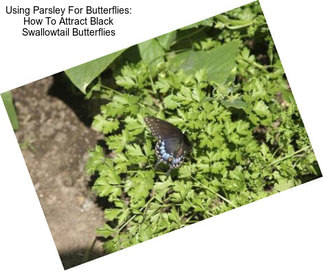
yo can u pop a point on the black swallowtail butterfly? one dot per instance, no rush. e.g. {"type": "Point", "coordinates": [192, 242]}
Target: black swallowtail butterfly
{"type": "Point", "coordinates": [172, 144]}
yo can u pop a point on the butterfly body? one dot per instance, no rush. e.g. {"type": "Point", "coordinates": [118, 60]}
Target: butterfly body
{"type": "Point", "coordinates": [172, 145]}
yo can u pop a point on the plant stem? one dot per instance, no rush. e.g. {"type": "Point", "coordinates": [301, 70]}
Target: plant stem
{"type": "Point", "coordinates": [111, 89]}
{"type": "Point", "coordinates": [127, 222]}
{"type": "Point", "coordinates": [287, 156]}
{"type": "Point", "coordinates": [131, 218]}
{"type": "Point", "coordinates": [152, 82]}
{"type": "Point", "coordinates": [215, 193]}
{"type": "Point", "coordinates": [87, 255]}
{"type": "Point", "coordinates": [226, 200]}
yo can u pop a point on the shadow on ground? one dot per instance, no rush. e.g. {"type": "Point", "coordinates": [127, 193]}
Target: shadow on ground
{"type": "Point", "coordinates": [71, 258]}
{"type": "Point", "coordinates": [63, 89]}
{"type": "Point", "coordinates": [55, 137]}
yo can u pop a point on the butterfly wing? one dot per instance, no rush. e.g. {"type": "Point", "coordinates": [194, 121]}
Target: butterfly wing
{"type": "Point", "coordinates": [175, 142]}
{"type": "Point", "coordinates": [173, 145]}
{"type": "Point", "coordinates": [162, 129]}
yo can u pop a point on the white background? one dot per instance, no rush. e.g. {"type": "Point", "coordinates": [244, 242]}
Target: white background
{"type": "Point", "coordinates": [282, 232]}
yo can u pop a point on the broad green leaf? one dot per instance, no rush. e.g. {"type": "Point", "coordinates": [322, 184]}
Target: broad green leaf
{"type": "Point", "coordinates": [166, 40]}
{"type": "Point", "coordinates": [82, 75]}
{"type": "Point", "coordinates": [151, 52]}
{"type": "Point", "coordinates": [11, 110]}
{"type": "Point", "coordinates": [217, 62]}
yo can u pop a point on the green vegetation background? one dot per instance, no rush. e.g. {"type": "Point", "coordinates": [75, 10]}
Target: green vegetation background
{"type": "Point", "coordinates": [222, 83]}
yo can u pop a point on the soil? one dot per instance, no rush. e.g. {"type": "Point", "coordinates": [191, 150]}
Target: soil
{"type": "Point", "coordinates": [55, 136]}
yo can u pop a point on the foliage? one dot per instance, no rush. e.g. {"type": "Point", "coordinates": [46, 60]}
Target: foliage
{"type": "Point", "coordinates": [11, 110]}
{"type": "Point", "coordinates": [221, 82]}
{"type": "Point", "coordinates": [83, 75]}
